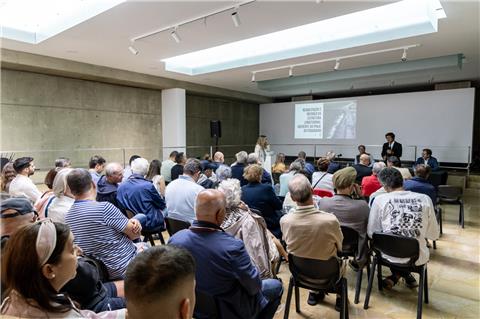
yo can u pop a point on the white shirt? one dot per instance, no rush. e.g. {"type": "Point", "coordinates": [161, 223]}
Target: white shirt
{"type": "Point", "coordinates": [180, 197]}
{"type": "Point", "coordinates": [23, 186]}
{"type": "Point", "coordinates": [326, 181]}
{"type": "Point", "coordinates": [59, 207]}
{"type": "Point", "coordinates": [408, 214]}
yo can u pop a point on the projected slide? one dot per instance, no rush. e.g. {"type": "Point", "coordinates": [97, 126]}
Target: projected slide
{"type": "Point", "coordinates": [327, 120]}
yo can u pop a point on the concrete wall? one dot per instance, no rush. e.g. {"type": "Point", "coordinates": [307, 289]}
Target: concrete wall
{"type": "Point", "coordinates": [239, 121]}
{"type": "Point", "coordinates": [48, 116]}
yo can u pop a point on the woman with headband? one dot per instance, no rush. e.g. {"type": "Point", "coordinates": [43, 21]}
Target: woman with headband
{"type": "Point", "coordinates": [33, 278]}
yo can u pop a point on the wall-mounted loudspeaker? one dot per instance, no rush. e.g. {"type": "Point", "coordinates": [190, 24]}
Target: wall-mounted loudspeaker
{"type": "Point", "coordinates": [215, 128]}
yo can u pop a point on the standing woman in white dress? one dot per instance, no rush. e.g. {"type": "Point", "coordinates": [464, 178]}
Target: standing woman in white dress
{"type": "Point", "coordinates": [262, 148]}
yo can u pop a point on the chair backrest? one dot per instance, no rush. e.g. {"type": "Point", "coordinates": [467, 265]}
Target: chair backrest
{"type": "Point", "coordinates": [313, 273]}
{"type": "Point", "coordinates": [322, 192]}
{"type": "Point", "coordinates": [350, 241]}
{"type": "Point", "coordinates": [396, 246]}
{"type": "Point", "coordinates": [205, 306]}
{"type": "Point", "coordinates": [450, 192]}
{"type": "Point", "coordinates": [175, 225]}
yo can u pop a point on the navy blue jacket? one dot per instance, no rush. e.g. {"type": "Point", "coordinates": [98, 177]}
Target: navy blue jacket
{"type": "Point", "coordinates": [237, 172]}
{"type": "Point", "coordinates": [421, 185]}
{"type": "Point", "coordinates": [263, 198]}
{"type": "Point", "coordinates": [107, 192]}
{"type": "Point", "coordinates": [266, 177]}
{"type": "Point", "coordinates": [140, 196]}
{"type": "Point", "coordinates": [432, 162]}
{"type": "Point", "coordinates": [223, 270]}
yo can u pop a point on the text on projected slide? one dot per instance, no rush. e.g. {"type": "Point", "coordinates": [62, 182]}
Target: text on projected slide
{"type": "Point", "coordinates": [327, 120]}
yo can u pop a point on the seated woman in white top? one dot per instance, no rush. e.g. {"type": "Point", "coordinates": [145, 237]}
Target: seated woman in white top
{"type": "Point", "coordinates": [322, 179]}
{"type": "Point", "coordinates": [63, 200]}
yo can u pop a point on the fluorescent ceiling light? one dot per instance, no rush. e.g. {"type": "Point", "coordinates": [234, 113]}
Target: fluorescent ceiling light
{"type": "Point", "coordinates": [397, 20]}
{"type": "Point", "coordinates": [34, 21]}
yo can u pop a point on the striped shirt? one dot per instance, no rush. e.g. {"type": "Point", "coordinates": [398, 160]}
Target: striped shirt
{"type": "Point", "coordinates": [98, 230]}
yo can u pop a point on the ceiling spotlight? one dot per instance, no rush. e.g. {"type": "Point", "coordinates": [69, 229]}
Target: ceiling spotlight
{"type": "Point", "coordinates": [253, 76]}
{"type": "Point", "coordinates": [236, 19]}
{"type": "Point", "coordinates": [290, 72]}
{"type": "Point", "coordinates": [337, 65]}
{"type": "Point", "coordinates": [175, 35]}
{"type": "Point", "coordinates": [404, 55]}
{"type": "Point", "coordinates": [133, 50]}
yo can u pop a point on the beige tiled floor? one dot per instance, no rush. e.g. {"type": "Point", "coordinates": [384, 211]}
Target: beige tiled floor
{"type": "Point", "coordinates": [453, 279]}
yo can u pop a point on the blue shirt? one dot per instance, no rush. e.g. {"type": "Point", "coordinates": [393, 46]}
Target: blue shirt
{"type": "Point", "coordinates": [180, 196]}
{"type": "Point", "coordinates": [98, 229]}
{"type": "Point", "coordinates": [140, 196]}
{"type": "Point", "coordinates": [422, 186]}
{"type": "Point", "coordinates": [223, 270]}
{"type": "Point", "coordinates": [309, 168]}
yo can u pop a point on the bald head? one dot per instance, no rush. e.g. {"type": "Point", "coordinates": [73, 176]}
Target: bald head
{"type": "Point", "coordinates": [218, 157]}
{"type": "Point", "coordinates": [365, 159]}
{"type": "Point", "coordinates": [210, 206]}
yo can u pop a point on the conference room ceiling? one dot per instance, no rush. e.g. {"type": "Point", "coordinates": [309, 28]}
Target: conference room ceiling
{"type": "Point", "coordinates": [104, 40]}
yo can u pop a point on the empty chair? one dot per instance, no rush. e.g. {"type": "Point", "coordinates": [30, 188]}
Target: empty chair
{"type": "Point", "coordinates": [452, 195]}
{"type": "Point", "coordinates": [316, 275]}
{"type": "Point", "coordinates": [175, 225]}
{"type": "Point", "coordinates": [399, 247]}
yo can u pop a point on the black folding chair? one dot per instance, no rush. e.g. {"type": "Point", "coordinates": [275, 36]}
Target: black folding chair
{"type": "Point", "coordinates": [452, 195]}
{"type": "Point", "coordinates": [399, 247]}
{"type": "Point", "coordinates": [316, 275]}
{"type": "Point", "coordinates": [205, 306]}
{"type": "Point", "coordinates": [350, 249]}
{"type": "Point", "coordinates": [175, 225]}
{"type": "Point", "coordinates": [148, 234]}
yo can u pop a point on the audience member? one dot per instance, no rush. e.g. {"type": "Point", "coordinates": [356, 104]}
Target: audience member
{"type": "Point", "coordinates": [218, 160]}
{"type": "Point", "coordinates": [222, 173]}
{"type": "Point", "coordinates": [205, 160]}
{"type": "Point", "coordinates": [262, 198]}
{"type": "Point", "coordinates": [100, 229]}
{"type": "Point", "coordinates": [22, 185]}
{"type": "Point", "coordinates": [295, 168]}
{"type": "Point", "coordinates": [349, 212]}
{"type": "Point", "coordinates": [322, 179]}
{"type": "Point", "coordinates": [334, 165]}
{"type": "Point", "coordinates": [363, 168]}
{"type": "Point", "coordinates": [261, 148]}
{"type": "Point", "coordinates": [420, 183]}
{"type": "Point", "coordinates": [96, 166]}
{"type": "Point", "coordinates": [155, 177]}
{"type": "Point", "coordinates": [8, 174]}
{"type": "Point", "coordinates": [161, 282]}
{"type": "Point", "coordinates": [371, 184]}
{"type": "Point", "coordinates": [107, 186]}
{"type": "Point", "coordinates": [250, 228]}
{"type": "Point", "coordinates": [48, 195]}
{"type": "Point", "coordinates": [4, 161]}
{"type": "Point", "coordinates": [224, 268]}
{"type": "Point", "coordinates": [279, 166]}
{"type": "Point", "coordinates": [403, 213]}
{"type": "Point", "coordinates": [63, 200]}
{"type": "Point", "coordinates": [361, 151]}
{"type": "Point", "coordinates": [167, 165]}
{"type": "Point", "coordinates": [391, 147]}
{"type": "Point", "coordinates": [16, 212]}
{"type": "Point", "coordinates": [427, 159]}
{"type": "Point", "coordinates": [127, 171]}
{"type": "Point", "coordinates": [239, 166]}
{"type": "Point", "coordinates": [308, 167]}
{"type": "Point", "coordinates": [207, 178]}
{"type": "Point", "coordinates": [33, 292]}
{"type": "Point", "coordinates": [307, 227]}
{"type": "Point", "coordinates": [393, 161]}
{"type": "Point", "coordinates": [180, 194]}
{"type": "Point", "coordinates": [139, 196]}
{"type": "Point", "coordinates": [177, 169]}
{"type": "Point", "coordinates": [266, 176]}
{"type": "Point", "coordinates": [63, 162]}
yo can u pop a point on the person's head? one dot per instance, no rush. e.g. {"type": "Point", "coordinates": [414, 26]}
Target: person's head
{"type": "Point", "coordinates": [223, 172]}
{"type": "Point", "coordinates": [161, 280]}
{"type": "Point", "coordinates": [422, 171]}
{"type": "Point", "coordinates": [344, 179]}
{"type": "Point", "coordinates": [3, 162]}
{"type": "Point", "coordinates": [180, 158]}
{"type": "Point", "coordinates": [361, 149]}
{"type": "Point", "coordinates": [330, 155]}
{"type": "Point", "coordinates": [393, 161]}
{"type": "Point", "coordinates": [80, 182]}
{"type": "Point", "coordinates": [97, 163]}
{"type": "Point", "coordinates": [218, 157]}
{"type": "Point", "coordinates": [322, 164]}
{"type": "Point", "coordinates": [132, 158]}
{"type": "Point", "coordinates": [62, 162]}
{"type": "Point", "coordinates": [233, 192]}
{"type": "Point", "coordinates": [8, 173]}
{"type": "Point", "coordinates": [210, 206]}
{"type": "Point", "coordinates": [241, 157]}
{"type": "Point", "coordinates": [377, 167]}
{"type": "Point", "coordinates": [139, 166]}
{"type": "Point", "coordinates": [296, 166]}
{"type": "Point", "coordinates": [262, 141]}
{"type": "Point", "coordinates": [114, 173]}
{"type": "Point", "coordinates": [426, 153]}
{"type": "Point", "coordinates": [16, 212]}
{"type": "Point", "coordinates": [60, 187]}
{"type": "Point", "coordinates": [365, 159]}
{"type": "Point", "coordinates": [390, 137]}
{"type": "Point", "coordinates": [300, 189]}
{"type": "Point", "coordinates": [253, 173]}
{"type": "Point", "coordinates": [280, 158]}
{"type": "Point", "coordinates": [48, 260]}
{"type": "Point", "coordinates": [50, 177]}
{"type": "Point", "coordinates": [192, 168]}
{"type": "Point", "coordinates": [172, 155]}
{"type": "Point", "coordinates": [252, 159]}
{"type": "Point", "coordinates": [154, 168]}
{"type": "Point", "coordinates": [302, 155]}
{"type": "Point", "coordinates": [391, 179]}
{"type": "Point", "coordinates": [24, 166]}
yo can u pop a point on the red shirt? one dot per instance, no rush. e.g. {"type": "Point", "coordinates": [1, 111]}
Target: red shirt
{"type": "Point", "coordinates": [370, 184]}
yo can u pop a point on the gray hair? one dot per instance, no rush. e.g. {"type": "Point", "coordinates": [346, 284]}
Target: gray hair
{"type": "Point", "coordinates": [60, 182]}
{"type": "Point", "coordinates": [62, 162]}
{"type": "Point", "coordinates": [140, 166]}
{"type": "Point", "coordinates": [192, 166]}
{"type": "Point", "coordinates": [223, 172]}
{"type": "Point", "coordinates": [241, 157]}
{"type": "Point", "coordinates": [297, 165]}
{"type": "Point", "coordinates": [300, 188]}
{"type": "Point", "coordinates": [233, 193]}
{"type": "Point", "coordinates": [112, 168]}
{"type": "Point", "coordinates": [252, 159]}
{"type": "Point", "coordinates": [377, 167]}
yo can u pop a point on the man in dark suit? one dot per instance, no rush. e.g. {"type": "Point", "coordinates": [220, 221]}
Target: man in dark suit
{"type": "Point", "coordinates": [427, 159]}
{"type": "Point", "coordinates": [391, 147]}
{"type": "Point", "coordinates": [363, 169]}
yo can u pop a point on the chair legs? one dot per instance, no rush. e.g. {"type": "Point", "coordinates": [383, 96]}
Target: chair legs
{"type": "Point", "coordinates": [149, 237]}
{"type": "Point", "coordinates": [439, 219]}
{"type": "Point", "coordinates": [370, 283]}
{"type": "Point", "coordinates": [358, 285]}
{"type": "Point", "coordinates": [160, 236]}
{"type": "Point", "coordinates": [461, 217]}
{"type": "Point", "coordinates": [379, 276]}
{"type": "Point", "coordinates": [421, 286]}
{"type": "Point", "coordinates": [426, 286]}
{"type": "Point", "coordinates": [289, 298]}
{"type": "Point", "coordinates": [297, 299]}
{"type": "Point", "coordinates": [344, 308]}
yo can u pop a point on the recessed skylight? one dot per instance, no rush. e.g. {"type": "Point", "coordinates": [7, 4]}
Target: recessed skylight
{"type": "Point", "coordinates": [398, 20]}
{"type": "Point", "coordinates": [34, 21]}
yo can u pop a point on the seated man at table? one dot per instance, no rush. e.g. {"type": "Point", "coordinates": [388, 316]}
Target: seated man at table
{"type": "Point", "coordinates": [224, 269]}
{"type": "Point", "coordinates": [427, 159]}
